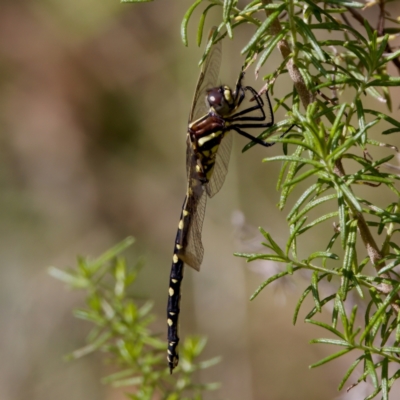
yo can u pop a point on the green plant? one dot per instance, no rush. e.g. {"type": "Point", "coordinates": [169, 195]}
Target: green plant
{"type": "Point", "coordinates": [121, 331]}
{"type": "Point", "coordinates": [335, 68]}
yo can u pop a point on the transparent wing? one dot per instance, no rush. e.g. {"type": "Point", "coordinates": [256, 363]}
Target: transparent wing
{"type": "Point", "coordinates": [189, 155]}
{"type": "Point", "coordinates": [221, 165]}
{"type": "Point", "coordinates": [196, 201]}
{"type": "Point", "coordinates": [208, 79]}
{"type": "Point", "coordinates": [193, 249]}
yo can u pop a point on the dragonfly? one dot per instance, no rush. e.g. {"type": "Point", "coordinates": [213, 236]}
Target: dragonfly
{"type": "Point", "coordinates": [209, 144]}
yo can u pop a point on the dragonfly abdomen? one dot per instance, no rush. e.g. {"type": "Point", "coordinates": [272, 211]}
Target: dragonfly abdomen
{"type": "Point", "coordinates": [175, 280]}
{"type": "Point", "coordinates": [173, 309]}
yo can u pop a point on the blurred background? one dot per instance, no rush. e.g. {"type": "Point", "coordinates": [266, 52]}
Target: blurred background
{"type": "Point", "coordinates": [94, 102]}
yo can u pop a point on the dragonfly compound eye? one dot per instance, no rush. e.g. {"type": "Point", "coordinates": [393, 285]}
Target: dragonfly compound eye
{"type": "Point", "coordinates": [215, 97]}
{"type": "Point", "coordinates": [218, 100]}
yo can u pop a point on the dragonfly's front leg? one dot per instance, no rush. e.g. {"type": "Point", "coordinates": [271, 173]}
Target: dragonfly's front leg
{"type": "Point", "coordinates": [239, 93]}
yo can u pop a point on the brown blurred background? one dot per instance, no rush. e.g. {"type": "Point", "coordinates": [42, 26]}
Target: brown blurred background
{"type": "Point", "coordinates": [94, 99]}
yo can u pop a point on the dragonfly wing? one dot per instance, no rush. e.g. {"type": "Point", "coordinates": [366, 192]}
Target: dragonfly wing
{"type": "Point", "coordinates": [193, 250]}
{"type": "Point", "coordinates": [208, 79]}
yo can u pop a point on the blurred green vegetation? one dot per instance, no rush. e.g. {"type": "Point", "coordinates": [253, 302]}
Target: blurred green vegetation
{"type": "Point", "coordinates": [121, 331]}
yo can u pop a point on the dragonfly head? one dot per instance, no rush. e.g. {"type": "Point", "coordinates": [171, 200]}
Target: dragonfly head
{"type": "Point", "coordinates": [221, 100]}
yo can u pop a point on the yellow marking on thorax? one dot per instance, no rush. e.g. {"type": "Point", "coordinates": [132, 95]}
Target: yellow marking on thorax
{"type": "Point", "coordinates": [228, 95]}
{"type": "Point", "coordinates": [209, 137]}
{"type": "Point", "coordinates": [206, 138]}
{"type": "Point", "coordinates": [185, 213]}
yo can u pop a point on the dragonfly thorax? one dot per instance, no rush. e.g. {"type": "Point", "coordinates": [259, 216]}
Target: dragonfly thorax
{"type": "Point", "coordinates": [221, 100]}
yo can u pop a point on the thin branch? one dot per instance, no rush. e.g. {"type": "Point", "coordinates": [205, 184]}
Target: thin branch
{"type": "Point", "coordinates": [284, 48]}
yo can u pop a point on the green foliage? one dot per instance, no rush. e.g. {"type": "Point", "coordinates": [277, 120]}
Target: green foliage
{"type": "Point", "coordinates": [121, 331]}
{"type": "Point", "coordinates": [338, 61]}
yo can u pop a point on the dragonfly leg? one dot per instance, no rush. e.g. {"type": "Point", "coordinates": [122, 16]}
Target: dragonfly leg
{"type": "Point", "coordinates": [237, 128]}
{"type": "Point", "coordinates": [251, 137]}
{"type": "Point", "coordinates": [239, 89]}
{"type": "Point", "coordinates": [259, 106]}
